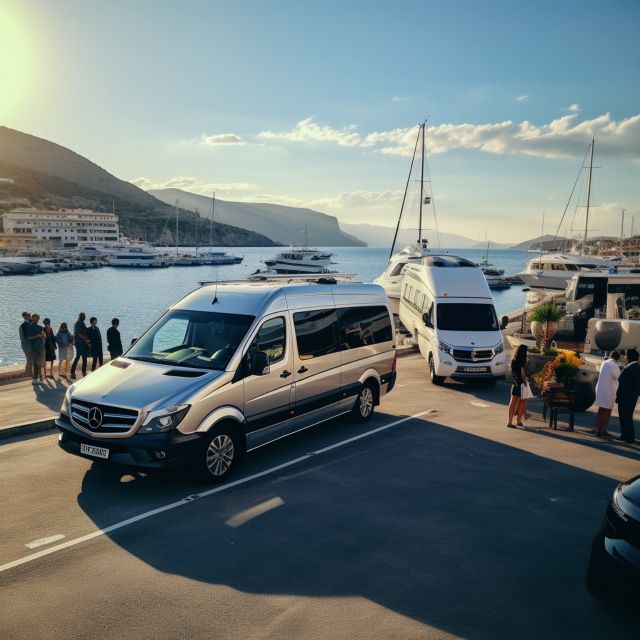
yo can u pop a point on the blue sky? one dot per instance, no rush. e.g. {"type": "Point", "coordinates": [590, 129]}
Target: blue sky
{"type": "Point", "coordinates": [312, 104]}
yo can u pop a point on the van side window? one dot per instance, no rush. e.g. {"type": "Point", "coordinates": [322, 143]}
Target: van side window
{"type": "Point", "coordinates": [316, 333]}
{"type": "Point", "coordinates": [362, 326]}
{"type": "Point", "coordinates": [270, 339]}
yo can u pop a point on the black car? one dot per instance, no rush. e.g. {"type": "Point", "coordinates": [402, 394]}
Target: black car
{"type": "Point", "coordinates": [615, 554]}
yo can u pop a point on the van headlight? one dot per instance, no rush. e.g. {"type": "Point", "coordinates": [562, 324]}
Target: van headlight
{"type": "Point", "coordinates": [443, 346]}
{"type": "Point", "coordinates": [64, 409]}
{"type": "Point", "coordinates": [161, 420]}
{"type": "Point", "coordinates": [499, 348]}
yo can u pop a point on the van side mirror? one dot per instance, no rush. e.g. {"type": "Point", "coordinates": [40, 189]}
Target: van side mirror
{"type": "Point", "coordinates": [133, 341]}
{"type": "Point", "coordinates": [258, 363]}
{"type": "Point", "coordinates": [426, 318]}
{"type": "Point", "coordinates": [504, 322]}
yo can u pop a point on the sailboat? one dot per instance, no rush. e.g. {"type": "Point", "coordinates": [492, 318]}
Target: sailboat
{"type": "Point", "coordinates": [493, 275]}
{"type": "Point", "coordinates": [391, 279]}
{"type": "Point", "coordinates": [218, 257]}
{"type": "Point", "coordinates": [552, 271]}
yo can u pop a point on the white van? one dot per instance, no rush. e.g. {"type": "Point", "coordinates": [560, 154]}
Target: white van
{"type": "Point", "coordinates": [446, 304]}
{"type": "Point", "coordinates": [231, 367]}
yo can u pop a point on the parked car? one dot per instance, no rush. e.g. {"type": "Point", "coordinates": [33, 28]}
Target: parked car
{"type": "Point", "coordinates": [230, 368]}
{"type": "Point", "coordinates": [615, 553]}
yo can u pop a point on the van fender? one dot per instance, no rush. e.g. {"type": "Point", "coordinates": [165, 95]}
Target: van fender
{"type": "Point", "coordinates": [367, 375]}
{"type": "Point", "coordinates": [221, 413]}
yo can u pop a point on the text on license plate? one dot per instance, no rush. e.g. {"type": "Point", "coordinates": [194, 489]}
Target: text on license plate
{"type": "Point", "coordinates": [475, 369]}
{"type": "Point", "coordinates": [96, 452]}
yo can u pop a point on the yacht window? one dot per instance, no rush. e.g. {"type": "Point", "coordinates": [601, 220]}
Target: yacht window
{"type": "Point", "coordinates": [398, 268]}
{"type": "Point", "coordinates": [559, 267]}
{"type": "Point", "coordinates": [454, 316]}
{"type": "Point", "coordinates": [271, 339]}
{"type": "Point", "coordinates": [535, 266]}
{"type": "Point", "coordinates": [572, 267]}
{"type": "Point", "coordinates": [316, 333]}
{"type": "Point", "coordinates": [199, 339]}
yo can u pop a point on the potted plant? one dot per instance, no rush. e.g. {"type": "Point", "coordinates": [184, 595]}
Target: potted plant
{"type": "Point", "coordinates": [544, 323]}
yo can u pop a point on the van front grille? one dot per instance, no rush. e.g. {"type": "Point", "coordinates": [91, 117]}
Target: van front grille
{"type": "Point", "coordinates": [472, 355]}
{"type": "Point", "coordinates": [102, 418]}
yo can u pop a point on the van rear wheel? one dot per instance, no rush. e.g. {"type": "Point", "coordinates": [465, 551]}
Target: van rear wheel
{"type": "Point", "coordinates": [220, 454]}
{"type": "Point", "coordinates": [365, 402]}
{"type": "Point", "coordinates": [432, 373]}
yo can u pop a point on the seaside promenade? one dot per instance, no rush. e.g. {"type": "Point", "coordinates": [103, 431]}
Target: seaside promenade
{"type": "Point", "coordinates": [432, 520]}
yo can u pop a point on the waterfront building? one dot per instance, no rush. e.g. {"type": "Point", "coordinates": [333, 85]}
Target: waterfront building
{"type": "Point", "coordinates": [67, 227]}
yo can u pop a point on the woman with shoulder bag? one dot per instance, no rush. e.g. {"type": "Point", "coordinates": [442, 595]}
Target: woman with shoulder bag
{"type": "Point", "coordinates": [520, 391]}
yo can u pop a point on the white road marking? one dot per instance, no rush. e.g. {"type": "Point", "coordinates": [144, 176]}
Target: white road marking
{"type": "Point", "coordinates": [245, 516]}
{"type": "Point", "coordinates": [191, 498]}
{"type": "Point", "coordinates": [480, 404]}
{"type": "Point", "coordinates": [42, 541]}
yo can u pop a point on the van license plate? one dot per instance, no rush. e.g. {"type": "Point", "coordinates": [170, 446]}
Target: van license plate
{"type": "Point", "coordinates": [96, 452]}
{"type": "Point", "coordinates": [475, 369]}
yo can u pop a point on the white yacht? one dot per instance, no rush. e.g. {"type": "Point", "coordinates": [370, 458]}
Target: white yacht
{"type": "Point", "coordinates": [390, 279]}
{"type": "Point", "coordinates": [552, 271]}
{"type": "Point", "coordinates": [300, 260]}
{"type": "Point", "coordinates": [494, 277]}
{"type": "Point", "coordinates": [139, 259]}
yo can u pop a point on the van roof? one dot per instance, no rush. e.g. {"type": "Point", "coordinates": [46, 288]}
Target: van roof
{"type": "Point", "coordinates": [449, 277]}
{"type": "Point", "coordinates": [259, 298]}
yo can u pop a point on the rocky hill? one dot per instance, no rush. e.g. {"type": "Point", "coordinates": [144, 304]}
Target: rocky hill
{"type": "Point", "coordinates": [47, 175]}
{"type": "Point", "coordinates": [281, 223]}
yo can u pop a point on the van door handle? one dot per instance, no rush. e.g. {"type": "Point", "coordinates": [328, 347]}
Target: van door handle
{"type": "Point", "coordinates": [285, 374]}
{"type": "Point", "coordinates": [303, 369]}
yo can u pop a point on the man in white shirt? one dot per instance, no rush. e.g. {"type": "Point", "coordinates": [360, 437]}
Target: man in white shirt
{"type": "Point", "coordinates": [606, 389]}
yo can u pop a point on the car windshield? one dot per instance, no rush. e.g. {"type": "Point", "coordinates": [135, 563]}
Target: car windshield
{"type": "Point", "coordinates": [454, 316]}
{"type": "Point", "coordinates": [199, 339]}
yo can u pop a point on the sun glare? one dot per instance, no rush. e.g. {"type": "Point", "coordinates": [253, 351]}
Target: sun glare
{"type": "Point", "coordinates": [15, 67]}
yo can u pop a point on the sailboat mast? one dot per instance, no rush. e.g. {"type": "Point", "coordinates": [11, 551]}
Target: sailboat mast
{"type": "Point", "coordinates": [177, 201]}
{"type": "Point", "coordinates": [586, 221]}
{"type": "Point", "coordinates": [421, 187]}
{"type": "Point", "coordinates": [213, 213]}
{"type": "Point", "coordinates": [404, 197]}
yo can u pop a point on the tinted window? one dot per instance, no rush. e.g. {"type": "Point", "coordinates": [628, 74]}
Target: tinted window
{"type": "Point", "coordinates": [453, 316]}
{"type": "Point", "coordinates": [398, 269]}
{"type": "Point", "coordinates": [271, 339]}
{"type": "Point", "coordinates": [361, 326]}
{"type": "Point", "coordinates": [316, 333]}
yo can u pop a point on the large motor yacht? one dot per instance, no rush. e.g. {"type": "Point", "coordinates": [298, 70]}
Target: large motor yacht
{"type": "Point", "coordinates": [300, 260]}
{"type": "Point", "coordinates": [553, 271]}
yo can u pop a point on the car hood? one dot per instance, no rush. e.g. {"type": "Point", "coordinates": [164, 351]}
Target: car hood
{"type": "Point", "coordinates": [474, 339]}
{"type": "Point", "coordinates": [631, 490]}
{"type": "Point", "coordinates": [141, 385]}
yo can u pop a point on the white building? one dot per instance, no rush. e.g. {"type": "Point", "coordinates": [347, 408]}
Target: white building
{"type": "Point", "coordinates": [69, 226]}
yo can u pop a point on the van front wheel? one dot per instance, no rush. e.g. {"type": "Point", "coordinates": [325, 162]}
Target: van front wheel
{"type": "Point", "coordinates": [432, 373]}
{"type": "Point", "coordinates": [220, 455]}
{"type": "Point", "coordinates": [365, 402]}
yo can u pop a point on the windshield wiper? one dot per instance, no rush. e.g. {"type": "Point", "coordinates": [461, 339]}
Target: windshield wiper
{"type": "Point", "coordinates": [173, 363]}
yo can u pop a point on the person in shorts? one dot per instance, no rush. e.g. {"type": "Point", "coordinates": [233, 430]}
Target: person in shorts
{"type": "Point", "coordinates": [36, 336]}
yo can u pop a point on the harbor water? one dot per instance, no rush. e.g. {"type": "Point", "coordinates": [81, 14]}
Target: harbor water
{"type": "Point", "coordinates": [138, 296]}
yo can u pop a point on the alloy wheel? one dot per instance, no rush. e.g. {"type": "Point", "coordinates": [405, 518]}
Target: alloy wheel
{"type": "Point", "coordinates": [220, 454]}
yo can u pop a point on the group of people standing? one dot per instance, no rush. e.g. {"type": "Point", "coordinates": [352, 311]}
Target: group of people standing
{"type": "Point", "coordinates": [42, 347]}
{"type": "Point", "coordinates": [616, 385]}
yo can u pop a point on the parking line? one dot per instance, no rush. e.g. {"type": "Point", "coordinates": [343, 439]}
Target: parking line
{"type": "Point", "coordinates": [203, 494]}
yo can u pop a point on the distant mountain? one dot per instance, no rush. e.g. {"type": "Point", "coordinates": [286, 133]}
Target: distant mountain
{"type": "Point", "coordinates": [381, 236]}
{"type": "Point", "coordinates": [492, 245]}
{"type": "Point", "coordinates": [281, 223]}
{"type": "Point", "coordinates": [47, 175]}
{"type": "Point", "coordinates": [546, 242]}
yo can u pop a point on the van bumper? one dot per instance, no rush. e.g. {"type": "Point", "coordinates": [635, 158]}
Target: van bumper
{"type": "Point", "coordinates": [388, 379]}
{"type": "Point", "coordinates": [142, 451]}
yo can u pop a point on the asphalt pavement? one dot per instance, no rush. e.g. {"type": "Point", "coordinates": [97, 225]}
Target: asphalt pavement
{"type": "Point", "coordinates": [432, 520]}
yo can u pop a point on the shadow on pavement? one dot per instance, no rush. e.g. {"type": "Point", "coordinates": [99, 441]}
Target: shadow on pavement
{"type": "Point", "coordinates": [50, 394]}
{"type": "Point", "coordinates": [461, 533]}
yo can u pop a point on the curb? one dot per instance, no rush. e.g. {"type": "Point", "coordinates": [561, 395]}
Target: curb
{"type": "Point", "coordinates": [26, 428]}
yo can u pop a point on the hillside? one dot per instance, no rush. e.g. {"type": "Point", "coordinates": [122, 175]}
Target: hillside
{"type": "Point", "coordinates": [380, 236]}
{"type": "Point", "coordinates": [280, 223]}
{"type": "Point", "coordinates": [47, 175]}
{"type": "Point", "coordinates": [547, 242]}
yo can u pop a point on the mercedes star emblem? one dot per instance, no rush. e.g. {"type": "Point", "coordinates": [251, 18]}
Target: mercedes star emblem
{"type": "Point", "coordinates": [95, 417]}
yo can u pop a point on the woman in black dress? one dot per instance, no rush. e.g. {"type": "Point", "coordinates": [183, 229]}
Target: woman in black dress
{"type": "Point", "coordinates": [50, 346]}
{"type": "Point", "coordinates": [517, 405]}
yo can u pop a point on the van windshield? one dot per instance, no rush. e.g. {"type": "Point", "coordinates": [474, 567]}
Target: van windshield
{"type": "Point", "coordinates": [198, 339]}
{"type": "Point", "coordinates": [454, 316]}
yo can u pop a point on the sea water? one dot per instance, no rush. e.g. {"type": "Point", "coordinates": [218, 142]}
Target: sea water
{"type": "Point", "coordinates": [139, 296]}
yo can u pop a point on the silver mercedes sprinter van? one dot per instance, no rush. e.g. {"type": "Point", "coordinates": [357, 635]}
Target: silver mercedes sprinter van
{"type": "Point", "coordinates": [231, 367]}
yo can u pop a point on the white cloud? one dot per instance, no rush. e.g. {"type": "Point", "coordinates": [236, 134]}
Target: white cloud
{"type": "Point", "coordinates": [522, 98]}
{"type": "Point", "coordinates": [574, 107]}
{"type": "Point", "coordinates": [308, 130]}
{"type": "Point", "coordinates": [219, 139]}
{"type": "Point", "coordinates": [194, 185]}
{"type": "Point", "coordinates": [359, 200]}
{"type": "Point", "coordinates": [398, 99]}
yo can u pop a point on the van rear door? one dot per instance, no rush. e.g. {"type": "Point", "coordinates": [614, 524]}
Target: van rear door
{"type": "Point", "coordinates": [316, 366]}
